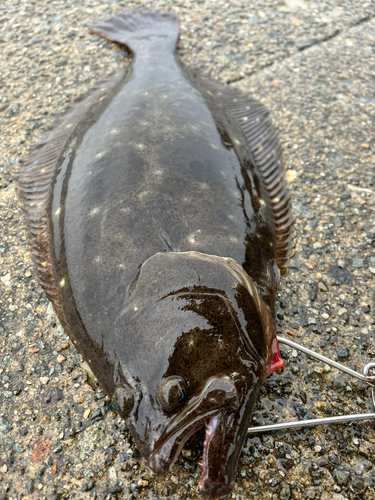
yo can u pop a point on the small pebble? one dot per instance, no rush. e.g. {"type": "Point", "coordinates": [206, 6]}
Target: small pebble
{"type": "Point", "coordinates": [357, 262]}
{"type": "Point", "coordinates": [341, 476]}
{"type": "Point", "coordinates": [358, 483]}
{"type": "Point", "coordinates": [86, 414]}
{"type": "Point", "coordinates": [6, 279]}
{"type": "Point", "coordinates": [5, 426]}
{"type": "Point", "coordinates": [342, 353]}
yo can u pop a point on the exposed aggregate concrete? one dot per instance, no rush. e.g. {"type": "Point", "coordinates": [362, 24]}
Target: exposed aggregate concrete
{"type": "Point", "coordinates": [313, 65]}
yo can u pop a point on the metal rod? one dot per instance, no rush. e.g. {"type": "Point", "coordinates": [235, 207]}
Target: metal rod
{"type": "Point", "coordinates": [365, 378]}
{"type": "Point", "coordinates": [370, 380]}
{"type": "Point", "coordinates": [311, 422]}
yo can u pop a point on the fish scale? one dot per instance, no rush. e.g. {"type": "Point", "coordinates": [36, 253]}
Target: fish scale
{"type": "Point", "coordinates": [160, 221]}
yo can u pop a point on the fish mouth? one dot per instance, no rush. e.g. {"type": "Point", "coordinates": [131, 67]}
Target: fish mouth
{"type": "Point", "coordinates": [165, 456]}
{"type": "Point", "coordinates": [221, 446]}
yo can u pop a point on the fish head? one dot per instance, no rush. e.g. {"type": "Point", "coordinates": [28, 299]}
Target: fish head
{"type": "Point", "coordinates": [202, 345]}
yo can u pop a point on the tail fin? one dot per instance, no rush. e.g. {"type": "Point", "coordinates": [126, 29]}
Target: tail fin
{"type": "Point", "coordinates": [137, 29]}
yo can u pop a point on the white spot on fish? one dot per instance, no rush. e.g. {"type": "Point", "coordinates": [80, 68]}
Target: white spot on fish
{"type": "Point", "coordinates": [191, 240]}
{"type": "Point", "coordinates": [191, 342]}
{"type": "Point", "coordinates": [158, 172]}
{"type": "Point", "coordinates": [261, 202]}
{"type": "Point", "coordinates": [140, 146]}
{"type": "Point", "coordinates": [69, 125]}
{"type": "Point", "coordinates": [136, 308]}
{"type": "Point", "coordinates": [114, 131]}
{"type": "Point", "coordinates": [165, 96]}
{"type": "Point", "coordinates": [194, 128]}
{"type": "Point", "coordinates": [62, 282]}
{"type": "Point", "coordinates": [230, 216]}
{"type": "Point", "coordinates": [257, 235]}
{"type": "Point", "coordinates": [247, 108]}
{"type": "Point", "coordinates": [234, 374]}
{"type": "Point", "coordinates": [237, 141]}
{"type": "Point", "coordinates": [203, 185]}
{"type": "Point", "coordinates": [271, 244]}
{"type": "Point", "coordinates": [276, 200]}
{"type": "Point", "coordinates": [94, 211]}
{"type": "Point", "coordinates": [233, 239]}
{"type": "Point", "coordinates": [99, 154]}
{"type": "Point", "coordinates": [97, 259]}
{"type": "Point", "coordinates": [146, 93]}
{"type": "Point", "coordinates": [244, 119]}
{"type": "Point", "coordinates": [125, 210]}
{"type": "Point", "coordinates": [121, 266]}
{"type": "Point", "coordinates": [58, 211]}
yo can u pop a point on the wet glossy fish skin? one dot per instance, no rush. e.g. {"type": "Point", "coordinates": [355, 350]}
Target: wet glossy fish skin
{"type": "Point", "coordinates": [155, 170]}
{"type": "Point", "coordinates": [202, 285]}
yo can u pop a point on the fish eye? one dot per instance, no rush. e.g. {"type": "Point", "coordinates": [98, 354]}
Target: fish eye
{"type": "Point", "coordinates": [124, 400]}
{"type": "Point", "coordinates": [172, 393]}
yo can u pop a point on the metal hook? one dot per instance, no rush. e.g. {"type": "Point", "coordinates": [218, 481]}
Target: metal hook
{"type": "Point", "coordinates": [365, 377]}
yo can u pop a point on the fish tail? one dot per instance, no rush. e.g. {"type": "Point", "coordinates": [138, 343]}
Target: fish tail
{"type": "Point", "coordinates": [140, 29]}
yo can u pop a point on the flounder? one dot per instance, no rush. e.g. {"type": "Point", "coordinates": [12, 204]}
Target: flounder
{"type": "Point", "coordinates": [160, 222]}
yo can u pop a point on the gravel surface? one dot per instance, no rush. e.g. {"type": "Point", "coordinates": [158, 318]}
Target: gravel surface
{"type": "Point", "coordinates": [313, 65]}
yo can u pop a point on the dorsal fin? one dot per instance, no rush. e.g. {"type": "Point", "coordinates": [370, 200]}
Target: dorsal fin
{"type": "Point", "coordinates": [261, 135]}
{"type": "Point", "coordinates": [35, 182]}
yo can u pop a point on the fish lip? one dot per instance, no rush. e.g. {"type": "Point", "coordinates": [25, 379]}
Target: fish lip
{"type": "Point", "coordinates": [159, 463]}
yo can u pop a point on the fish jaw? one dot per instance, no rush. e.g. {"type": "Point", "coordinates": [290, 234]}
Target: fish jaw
{"type": "Point", "coordinates": [219, 397]}
{"type": "Point", "coordinates": [226, 430]}
{"type": "Point", "coordinates": [225, 435]}
{"type": "Point", "coordinates": [217, 477]}
{"type": "Point", "coordinates": [162, 460]}
{"type": "Point", "coordinates": [221, 451]}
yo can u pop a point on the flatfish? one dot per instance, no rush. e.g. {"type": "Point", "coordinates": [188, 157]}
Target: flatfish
{"type": "Point", "coordinates": [160, 222]}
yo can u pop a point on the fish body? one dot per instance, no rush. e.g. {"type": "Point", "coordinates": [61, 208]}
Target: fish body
{"type": "Point", "coordinates": [160, 222]}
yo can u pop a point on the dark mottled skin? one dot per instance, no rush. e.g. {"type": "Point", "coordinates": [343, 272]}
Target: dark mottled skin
{"type": "Point", "coordinates": [154, 171]}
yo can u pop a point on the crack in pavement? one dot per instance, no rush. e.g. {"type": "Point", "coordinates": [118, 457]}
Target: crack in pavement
{"type": "Point", "coordinates": [307, 44]}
